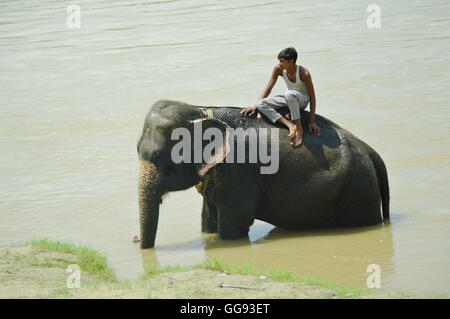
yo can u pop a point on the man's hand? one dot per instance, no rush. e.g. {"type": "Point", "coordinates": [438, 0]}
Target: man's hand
{"type": "Point", "coordinates": [313, 127]}
{"type": "Point", "coordinates": [249, 111]}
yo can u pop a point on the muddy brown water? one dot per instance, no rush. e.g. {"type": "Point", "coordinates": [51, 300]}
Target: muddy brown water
{"type": "Point", "coordinates": [73, 103]}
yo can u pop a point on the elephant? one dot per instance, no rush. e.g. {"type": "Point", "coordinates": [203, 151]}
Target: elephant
{"type": "Point", "coordinates": [331, 180]}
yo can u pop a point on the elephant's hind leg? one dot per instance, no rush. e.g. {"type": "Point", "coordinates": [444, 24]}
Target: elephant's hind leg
{"type": "Point", "coordinates": [360, 201]}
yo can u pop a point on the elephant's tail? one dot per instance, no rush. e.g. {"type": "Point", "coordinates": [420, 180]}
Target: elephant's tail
{"type": "Point", "coordinates": [383, 182]}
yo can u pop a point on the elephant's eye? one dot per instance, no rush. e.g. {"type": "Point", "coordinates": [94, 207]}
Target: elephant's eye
{"type": "Point", "coordinates": [160, 130]}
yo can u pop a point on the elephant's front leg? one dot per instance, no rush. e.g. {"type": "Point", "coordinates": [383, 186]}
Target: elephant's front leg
{"type": "Point", "coordinates": [209, 217]}
{"type": "Point", "coordinates": [234, 222]}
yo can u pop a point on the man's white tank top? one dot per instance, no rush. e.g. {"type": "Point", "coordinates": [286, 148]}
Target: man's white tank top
{"type": "Point", "coordinates": [299, 85]}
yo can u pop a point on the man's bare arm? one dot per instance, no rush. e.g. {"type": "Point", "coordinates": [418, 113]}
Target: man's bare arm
{"type": "Point", "coordinates": [266, 92]}
{"type": "Point", "coordinates": [273, 79]}
{"type": "Point", "coordinates": [312, 100]}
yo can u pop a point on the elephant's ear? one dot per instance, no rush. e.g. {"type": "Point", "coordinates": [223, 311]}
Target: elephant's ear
{"type": "Point", "coordinates": [221, 151]}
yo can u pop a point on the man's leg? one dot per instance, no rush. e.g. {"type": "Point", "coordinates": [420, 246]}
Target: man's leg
{"type": "Point", "coordinates": [296, 101]}
{"type": "Point", "coordinates": [268, 107]}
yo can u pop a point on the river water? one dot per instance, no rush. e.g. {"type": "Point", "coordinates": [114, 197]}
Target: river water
{"type": "Point", "coordinates": [73, 102]}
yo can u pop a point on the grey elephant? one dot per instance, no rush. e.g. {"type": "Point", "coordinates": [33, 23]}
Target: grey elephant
{"type": "Point", "coordinates": [332, 180]}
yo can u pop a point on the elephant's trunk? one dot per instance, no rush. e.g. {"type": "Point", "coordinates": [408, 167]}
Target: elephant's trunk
{"type": "Point", "coordinates": [150, 192]}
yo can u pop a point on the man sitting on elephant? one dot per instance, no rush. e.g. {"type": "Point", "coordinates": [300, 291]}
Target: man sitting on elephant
{"type": "Point", "coordinates": [300, 92]}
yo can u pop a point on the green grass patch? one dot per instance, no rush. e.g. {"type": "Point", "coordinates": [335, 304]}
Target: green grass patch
{"type": "Point", "coordinates": [214, 263]}
{"type": "Point", "coordinates": [153, 271]}
{"type": "Point", "coordinates": [86, 257]}
{"type": "Point", "coordinates": [286, 275]}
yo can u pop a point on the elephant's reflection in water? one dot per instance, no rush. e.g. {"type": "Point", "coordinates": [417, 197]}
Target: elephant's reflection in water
{"type": "Point", "coordinates": [339, 255]}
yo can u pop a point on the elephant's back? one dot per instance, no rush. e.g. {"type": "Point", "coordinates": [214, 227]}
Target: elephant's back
{"type": "Point", "coordinates": [233, 117]}
{"type": "Point", "coordinates": [329, 145]}
{"type": "Point", "coordinates": [320, 150]}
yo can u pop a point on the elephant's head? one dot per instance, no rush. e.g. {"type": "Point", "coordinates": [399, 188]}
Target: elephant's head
{"type": "Point", "coordinates": [158, 172]}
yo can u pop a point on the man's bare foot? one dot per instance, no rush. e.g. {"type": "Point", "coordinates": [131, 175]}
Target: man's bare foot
{"type": "Point", "coordinates": [298, 139]}
{"type": "Point", "coordinates": [292, 131]}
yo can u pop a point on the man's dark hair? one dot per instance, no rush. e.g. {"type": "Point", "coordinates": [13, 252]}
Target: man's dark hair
{"type": "Point", "coordinates": [288, 54]}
